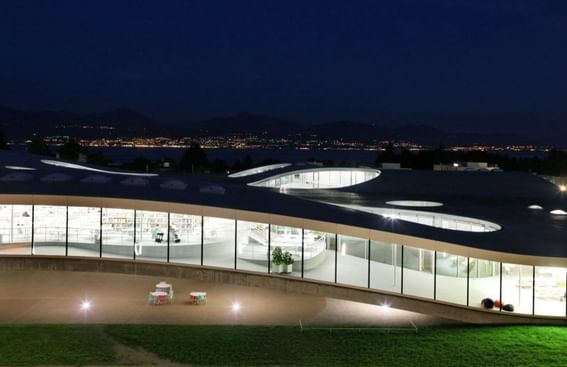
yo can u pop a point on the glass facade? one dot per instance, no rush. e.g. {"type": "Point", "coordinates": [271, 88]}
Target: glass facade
{"type": "Point", "coordinates": [321, 256]}
{"type": "Point", "coordinates": [84, 231]}
{"type": "Point", "coordinates": [15, 229]}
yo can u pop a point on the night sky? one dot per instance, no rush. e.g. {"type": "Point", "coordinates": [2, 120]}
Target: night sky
{"type": "Point", "coordinates": [456, 64]}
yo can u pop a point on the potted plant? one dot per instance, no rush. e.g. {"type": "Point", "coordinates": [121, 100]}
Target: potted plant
{"type": "Point", "coordinates": [287, 262]}
{"type": "Point", "coordinates": [277, 260]}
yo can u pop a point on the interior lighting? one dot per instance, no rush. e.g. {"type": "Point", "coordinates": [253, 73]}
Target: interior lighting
{"type": "Point", "coordinates": [235, 307]}
{"type": "Point", "coordinates": [558, 212]}
{"type": "Point", "coordinates": [535, 207]}
{"type": "Point", "coordinates": [562, 188]}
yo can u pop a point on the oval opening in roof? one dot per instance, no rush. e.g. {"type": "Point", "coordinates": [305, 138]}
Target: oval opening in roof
{"type": "Point", "coordinates": [535, 207]}
{"type": "Point", "coordinates": [96, 179]}
{"type": "Point", "coordinates": [20, 168]}
{"type": "Point", "coordinates": [415, 203]}
{"type": "Point", "coordinates": [134, 181]}
{"type": "Point", "coordinates": [16, 177]}
{"type": "Point", "coordinates": [56, 177]}
{"type": "Point", "coordinates": [558, 212]}
{"type": "Point", "coordinates": [257, 170]}
{"type": "Point", "coordinates": [173, 185]}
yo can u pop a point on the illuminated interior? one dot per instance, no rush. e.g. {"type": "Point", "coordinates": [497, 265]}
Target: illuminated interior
{"type": "Point", "coordinates": [257, 170]}
{"type": "Point", "coordinates": [319, 178]}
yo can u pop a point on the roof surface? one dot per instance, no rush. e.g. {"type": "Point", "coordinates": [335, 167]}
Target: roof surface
{"type": "Point", "coordinates": [499, 197]}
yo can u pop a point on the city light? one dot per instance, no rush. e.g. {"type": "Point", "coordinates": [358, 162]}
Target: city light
{"type": "Point", "coordinates": [235, 307]}
{"type": "Point", "coordinates": [562, 188]}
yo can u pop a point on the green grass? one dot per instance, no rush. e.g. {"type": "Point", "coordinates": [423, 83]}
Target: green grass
{"type": "Point", "coordinates": [26, 345]}
{"type": "Point", "coordinates": [285, 346]}
{"type": "Point", "coordinates": [244, 346]}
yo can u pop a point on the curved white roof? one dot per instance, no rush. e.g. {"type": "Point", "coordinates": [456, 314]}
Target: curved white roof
{"type": "Point", "coordinates": [55, 163]}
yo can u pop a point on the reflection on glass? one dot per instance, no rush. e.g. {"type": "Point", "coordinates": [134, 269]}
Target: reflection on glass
{"type": "Point", "coordinates": [252, 251]}
{"type": "Point", "coordinates": [352, 261]}
{"type": "Point", "coordinates": [15, 229]}
{"type": "Point", "coordinates": [288, 239]}
{"type": "Point", "coordinates": [517, 287]}
{"type": "Point", "coordinates": [218, 242]}
{"type": "Point", "coordinates": [319, 262]}
{"type": "Point", "coordinates": [484, 281]}
{"type": "Point", "coordinates": [385, 266]}
{"type": "Point", "coordinates": [418, 272]}
{"type": "Point", "coordinates": [451, 278]}
{"type": "Point", "coordinates": [84, 231]}
{"type": "Point", "coordinates": [151, 235]}
{"type": "Point", "coordinates": [118, 233]}
{"type": "Point", "coordinates": [549, 291]}
{"type": "Point", "coordinates": [50, 229]}
{"type": "Point", "coordinates": [185, 238]}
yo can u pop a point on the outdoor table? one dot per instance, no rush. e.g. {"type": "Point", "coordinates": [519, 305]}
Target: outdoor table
{"type": "Point", "coordinates": [163, 287]}
{"type": "Point", "coordinates": [198, 297]}
{"type": "Point", "coordinates": [158, 297]}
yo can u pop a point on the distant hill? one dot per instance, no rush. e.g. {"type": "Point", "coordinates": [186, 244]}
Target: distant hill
{"type": "Point", "coordinates": [247, 123]}
{"type": "Point", "coordinates": [120, 122]}
{"type": "Point", "coordinates": [129, 123]}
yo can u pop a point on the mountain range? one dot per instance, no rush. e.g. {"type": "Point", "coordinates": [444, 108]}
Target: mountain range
{"type": "Point", "coordinates": [19, 124]}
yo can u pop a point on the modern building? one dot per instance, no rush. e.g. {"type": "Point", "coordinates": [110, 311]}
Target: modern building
{"type": "Point", "coordinates": [451, 238]}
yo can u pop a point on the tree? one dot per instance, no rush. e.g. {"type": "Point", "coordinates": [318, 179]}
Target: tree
{"type": "Point", "coordinates": [194, 159]}
{"type": "Point", "coordinates": [71, 150]}
{"type": "Point", "coordinates": [38, 146]}
{"type": "Point", "coordinates": [3, 144]}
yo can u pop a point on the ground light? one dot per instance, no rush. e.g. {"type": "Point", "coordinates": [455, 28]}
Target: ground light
{"type": "Point", "coordinates": [86, 305]}
{"type": "Point", "coordinates": [235, 307]}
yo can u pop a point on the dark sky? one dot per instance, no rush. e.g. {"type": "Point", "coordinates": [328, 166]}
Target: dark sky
{"type": "Point", "coordinates": [463, 65]}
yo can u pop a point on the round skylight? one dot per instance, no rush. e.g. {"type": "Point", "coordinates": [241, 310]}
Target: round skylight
{"type": "Point", "coordinates": [414, 203]}
{"type": "Point", "coordinates": [56, 177]}
{"type": "Point", "coordinates": [16, 177]}
{"type": "Point", "coordinates": [20, 168]}
{"type": "Point", "coordinates": [558, 212]}
{"type": "Point", "coordinates": [86, 168]}
{"type": "Point", "coordinates": [96, 179]}
{"type": "Point", "coordinates": [173, 185]}
{"type": "Point", "coordinates": [134, 181]}
{"type": "Point", "coordinates": [535, 207]}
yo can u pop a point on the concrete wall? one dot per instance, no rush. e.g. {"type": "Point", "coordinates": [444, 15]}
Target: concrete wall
{"type": "Point", "coordinates": [277, 282]}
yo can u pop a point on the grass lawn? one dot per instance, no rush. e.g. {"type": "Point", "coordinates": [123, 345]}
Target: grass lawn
{"type": "Point", "coordinates": [54, 345]}
{"type": "Point", "coordinates": [245, 346]}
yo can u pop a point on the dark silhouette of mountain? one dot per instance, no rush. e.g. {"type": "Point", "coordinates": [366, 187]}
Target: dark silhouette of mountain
{"type": "Point", "coordinates": [120, 122]}
{"type": "Point", "coordinates": [128, 123]}
{"type": "Point", "coordinates": [247, 123]}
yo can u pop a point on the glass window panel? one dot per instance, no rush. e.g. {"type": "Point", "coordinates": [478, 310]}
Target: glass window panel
{"type": "Point", "coordinates": [549, 291]}
{"type": "Point", "coordinates": [118, 233]}
{"type": "Point", "coordinates": [252, 252]}
{"type": "Point", "coordinates": [185, 243]}
{"type": "Point", "coordinates": [352, 261]}
{"type": "Point", "coordinates": [451, 278]}
{"type": "Point", "coordinates": [288, 239]}
{"type": "Point", "coordinates": [484, 281]}
{"type": "Point", "coordinates": [319, 262]}
{"type": "Point", "coordinates": [84, 231]}
{"type": "Point", "coordinates": [50, 226]}
{"type": "Point", "coordinates": [151, 235]}
{"type": "Point", "coordinates": [15, 229]}
{"type": "Point", "coordinates": [517, 287]}
{"type": "Point", "coordinates": [418, 272]}
{"type": "Point", "coordinates": [385, 266]}
{"type": "Point", "coordinates": [218, 242]}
